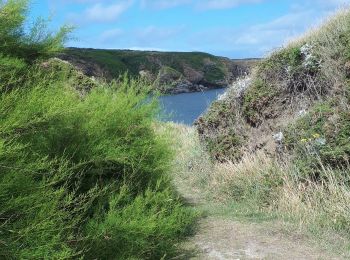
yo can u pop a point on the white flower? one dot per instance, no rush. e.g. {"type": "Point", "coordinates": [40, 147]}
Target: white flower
{"type": "Point", "coordinates": [278, 137]}
{"type": "Point", "coordinates": [236, 89]}
{"type": "Point", "coordinates": [310, 60]}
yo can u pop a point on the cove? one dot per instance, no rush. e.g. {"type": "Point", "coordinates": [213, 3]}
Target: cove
{"type": "Point", "coordinates": [187, 107]}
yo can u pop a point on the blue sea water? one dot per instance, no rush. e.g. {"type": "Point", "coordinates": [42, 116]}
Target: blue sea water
{"type": "Point", "coordinates": [187, 107]}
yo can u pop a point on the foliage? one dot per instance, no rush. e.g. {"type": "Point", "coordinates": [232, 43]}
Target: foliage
{"type": "Point", "coordinates": [75, 163]}
{"type": "Point", "coordinates": [321, 137]}
{"type": "Point", "coordinates": [221, 142]}
{"type": "Point", "coordinates": [257, 97]}
{"type": "Point", "coordinates": [11, 71]}
{"type": "Point", "coordinates": [15, 41]}
{"type": "Point", "coordinates": [79, 151]}
{"type": "Point", "coordinates": [157, 222]}
{"type": "Point", "coordinates": [213, 73]}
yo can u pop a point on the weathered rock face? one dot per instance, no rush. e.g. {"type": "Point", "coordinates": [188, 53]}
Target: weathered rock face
{"type": "Point", "coordinates": [192, 75]}
{"type": "Point", "coordinates": [170, 72]}
{"type": "Point", "coordinates": [87, 67]}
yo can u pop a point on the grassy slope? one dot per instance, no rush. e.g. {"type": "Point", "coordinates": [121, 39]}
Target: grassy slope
{"type": "Point", "coordinates": [307, 76]}
{"type": "Point", "coordinates": [120, 61]}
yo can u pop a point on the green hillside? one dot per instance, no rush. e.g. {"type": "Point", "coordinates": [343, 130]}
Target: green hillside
{"type": "Point", "coordinates": [192, 69]}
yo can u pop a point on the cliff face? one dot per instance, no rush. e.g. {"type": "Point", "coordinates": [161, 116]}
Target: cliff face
{"type": "Point", "coordinates": [170, 72]}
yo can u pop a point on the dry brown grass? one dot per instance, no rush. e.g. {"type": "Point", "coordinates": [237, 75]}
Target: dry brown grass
{"type": "Point", "coordinates": [260, 182]}
{"type": "Point", "coordinates": [277, 188]}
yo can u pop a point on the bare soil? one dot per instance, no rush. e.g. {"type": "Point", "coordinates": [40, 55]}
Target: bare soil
{"type": "Point", "coordinates": [223, 239]}
{"type": "Point", "coordinates": [227, 237]}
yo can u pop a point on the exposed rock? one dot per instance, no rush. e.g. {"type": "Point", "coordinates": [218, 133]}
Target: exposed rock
{"type": "Point", "coordinates": [90, 69]}
{"type": "Point", "coordinates": [146, 74]}
{"type": "Point", "coordinates": [193, 75]}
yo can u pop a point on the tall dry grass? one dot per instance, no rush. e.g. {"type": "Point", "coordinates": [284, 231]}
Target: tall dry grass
{"type": "Point", "coordinates": [259, 184]}
{"type": "Point", "coordinates": [277, 187]}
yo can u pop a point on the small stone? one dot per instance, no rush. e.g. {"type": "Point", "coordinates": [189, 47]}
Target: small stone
{"type": "Point", "coordinates": [302, 112]}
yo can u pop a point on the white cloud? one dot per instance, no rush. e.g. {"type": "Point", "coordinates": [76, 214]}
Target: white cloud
{"type": "Point", "coordinates": [86, 1]}
{"type": "Point", "coordinates": [224, 4]}
{"type": "Point", "coordinates": [106, 13]}
{"type": "Point", "coordinates": [198, 4]}
{"type": "Point", "coordinates": [259, 39]}
{"type": "Point", "coordinates": [163, 4]}
{"type": "Point", "coordinates": [154, 34]}
{"type": "Point", "coordinates": [110, 35]}
{"type": "Point", "coordinates": [333, 3]}
{"type": "Point", "coordinates": [148, 38]}
{"type": "Point", "coordinates": [101, 12]}
{"type": "Point", "coordinates": [249, 40]}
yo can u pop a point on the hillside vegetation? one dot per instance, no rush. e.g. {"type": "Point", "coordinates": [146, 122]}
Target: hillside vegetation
{"type": "Point", "coordinates": [284, 132]}
{"type": "Point", "coordinates": [170, 72]}
{"type": "Point", "coordinates": [83, 173]}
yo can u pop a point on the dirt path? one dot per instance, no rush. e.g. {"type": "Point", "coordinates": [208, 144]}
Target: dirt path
{"type": "Point", "coordinates": [223, 235]}
{"type": "Point", "coordinates": [223, 239]}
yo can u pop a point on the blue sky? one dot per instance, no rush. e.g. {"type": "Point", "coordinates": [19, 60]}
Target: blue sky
{"type": "Point", "coordinates": [232, 28]}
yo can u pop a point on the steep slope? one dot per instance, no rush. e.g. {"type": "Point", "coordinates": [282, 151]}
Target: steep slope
{"type": "Point", "coordinates": [295, 100]}
{"type": "Point", "coordinates": [171, 72]}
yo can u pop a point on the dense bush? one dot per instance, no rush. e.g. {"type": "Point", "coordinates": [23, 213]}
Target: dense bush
{"type": "Point", "coordinates": [258, 96]}
{"type": "Point", "coordinates": [147, 226]}
{"type": "Point", "coordinates": [82, 174]}
{"type": "Point", "coordinates": [320, 137]}
{"type": "Point", "coordinates": [63, 160]}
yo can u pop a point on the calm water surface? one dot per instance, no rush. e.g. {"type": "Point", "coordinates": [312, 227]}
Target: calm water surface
{"type": "Point", "coordinates": [187, 107]}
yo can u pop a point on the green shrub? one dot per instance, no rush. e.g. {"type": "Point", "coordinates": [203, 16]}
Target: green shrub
{"type": "Point", "coordinates": [321, 138]}
{"type": "Point", "coordinates": [67, 158]}
{"type": "Point", "coordinates": [225, 146]}
{"type": "Point", "coordinates": [72, 151]}
{"type": "Point", "coordinates": [213, 73]}
{"type": "Point", "coordinates": [148, 226]}
{"type": "Point", "coordinates": [275, 65]}
{"type": "Point", "coordinates": [11, 71]}
{"type": "Point", "coordinates": [15, 41]}
{"type": "Point", "coordinates": [256, 99]}
{"type": "Point", "coordinates": [221, 142]}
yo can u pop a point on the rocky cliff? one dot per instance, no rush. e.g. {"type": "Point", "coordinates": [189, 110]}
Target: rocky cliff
{"type": "Point", "coordinates": [169, 72]}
